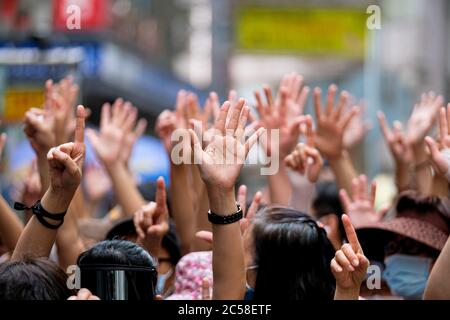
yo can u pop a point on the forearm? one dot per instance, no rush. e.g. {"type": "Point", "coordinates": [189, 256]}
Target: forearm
{"type": "Point", "coordinates": [42, 165]}
{"type": "Point", "coordinates": [68, 241]}
{"type": "Point", "coordinates": [228, 251]}
{"type": "Point", "coordinates": [402, 176]}
{"type": "Point", "coordinates": [201, 207]}
{"type": "Point", "coordinates": [10, 225]}
{"type": "Point", "coordinates": [127, 194]}
{"type": "Point", "coordinates": [37, 240]}
{"type": "Point", "coordinates": [341, 294]}
{"type": "Point", "coordinates": [422, 170]}
{"type": "Point", "coordinates": [303, 192]}
{"type": "Point", "coordinates": [344, 171]}
{"type": "Point", "coordinates": [182, 206]}
{"type": "Point", "coordinates": [438, 285]}
{"type": "Point", "coordinates": [280, 186]}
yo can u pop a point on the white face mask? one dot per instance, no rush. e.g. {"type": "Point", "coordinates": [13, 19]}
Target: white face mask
{"type": "Point", "coordinates": [407, 275]}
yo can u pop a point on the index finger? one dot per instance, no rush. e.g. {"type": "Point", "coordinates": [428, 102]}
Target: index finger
{"type": "Point", "coordinates": [79, 129]}
{"type": "Point", "coordinates": [351, 233]}
{"type": "Point", "coordinates": [160, 193]}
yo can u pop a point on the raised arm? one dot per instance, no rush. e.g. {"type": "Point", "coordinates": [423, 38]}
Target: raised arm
{"type": "Point", "coordinates": [401, 151]}
{"type": "Point", "coordinates": [438, 285]}
{"type": "Point", "coordinates": [282, 118]}
{"type": "Point", "coordinates": [108, 145]}
{"type": "Point", "coordinates": [65, 163]}
{"type": "Point", "coordinates": [349, 265]}
{"type": "Point", "coordinates": [181, 200]}
{"type": "Point", "coordinates": [440, 152]}
{"type": "Point", "coordinates": [10, 225]}
{"type": "Point", "coordinates": [331, 125]}
{"type": "Point", "coordinates": [220, 178]}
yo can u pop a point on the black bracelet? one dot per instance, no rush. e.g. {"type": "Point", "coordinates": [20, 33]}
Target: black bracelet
{"type": "Point", "coordinates": [41, 214]}
{"type": "Point", "coordinates": [218, 219]}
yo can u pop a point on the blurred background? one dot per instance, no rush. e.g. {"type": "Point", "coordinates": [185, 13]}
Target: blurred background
{"type": "Point", "coordinates": [146, 50]}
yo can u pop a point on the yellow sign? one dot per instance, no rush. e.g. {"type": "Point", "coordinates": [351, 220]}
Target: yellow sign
{"type": "Point", "coordinates": [17, 101]}
{"type": "Point", "coordinates": [310, 31]}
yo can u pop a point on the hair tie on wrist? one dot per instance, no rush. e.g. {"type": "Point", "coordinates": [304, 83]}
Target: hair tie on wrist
{"type": "Point", "coordinates": [41, 214]}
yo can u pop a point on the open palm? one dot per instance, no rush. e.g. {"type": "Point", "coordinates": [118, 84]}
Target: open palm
{"type": "Point", "coordinates": [221, 161]}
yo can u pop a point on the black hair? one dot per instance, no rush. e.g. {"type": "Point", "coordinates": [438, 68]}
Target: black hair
{"type": "Point", "coordinates": [119, 253]}
{"type": "Point", "coordinates": [126, 230]}
{"type": "Point", "coordinates": [33, 279]}
{"type": "Point", "coordinates": [293, 255]}
{"type": "Point", "coordinates": [327, 202]}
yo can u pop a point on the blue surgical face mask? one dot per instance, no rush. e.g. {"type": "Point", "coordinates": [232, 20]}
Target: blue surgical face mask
{"type": "Point", "coordinates": [407, 275]}
{"type": "Point", "coordinates": [161, 282]}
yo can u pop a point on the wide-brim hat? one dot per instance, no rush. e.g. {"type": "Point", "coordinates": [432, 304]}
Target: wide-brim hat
{"type": "Point", "coordinates": [422, 219]}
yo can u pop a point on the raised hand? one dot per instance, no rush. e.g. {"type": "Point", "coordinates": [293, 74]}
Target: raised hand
{"type": "Point", "coordinates": [108, 144]}
{"type": "Point", "coordinates": [152, 220]}
{"type": "Point", "coordinates": [66, 161]}
{"type": "Point", "coordinates": [423, 117]}
{"type": "Point", "coordinates": [396, 141]}
{"type": "Point", "coordinates": [39, 128]}
{"type": "Point", "coordinates": [349, 265]}
{"type": "Point", "coordinates": [133, 129]}
{"type": "Point", "coordinates": [356, 129]}
{"type": "Point", "coordinates": [165, 125]}
{"type": "Point", "coordinates": [331, 122]}
{"type": "Point", "coordinates": [250, 212]}
{"type": "Point", "coordinates": [221, 161]}
{"type": "Point", "coordinates": [284, 114]}
{"type": "Point", "coordinates": [360, 208]}
{"type": "Point", "coordinates": [440, 152]}
{"type": "Point", "coordinates": [305, 158]}
{"type": "Point", "coordinates": [60, 99]}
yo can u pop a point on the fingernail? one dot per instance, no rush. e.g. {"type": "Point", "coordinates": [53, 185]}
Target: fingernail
{"type": "Point", "coordinates": [350, 268]}
{"type": "Point", "coordinates": [355, 262]}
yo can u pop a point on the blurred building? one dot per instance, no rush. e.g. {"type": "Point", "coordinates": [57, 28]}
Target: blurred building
{"type": "Point", "coordinates": [145, 50]}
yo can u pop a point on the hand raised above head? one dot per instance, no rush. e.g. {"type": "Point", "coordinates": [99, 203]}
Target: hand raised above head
{"type": "Point", "coordinates": [305, 158]}
{"type": "Point", "coordinates": [331, 122]}
{"type": "Point", "coordinates": [221, 161]}
{"type": "Point", "coordinates": [66, 161]}
{"type": "Point", "coordinates": [440, 152]}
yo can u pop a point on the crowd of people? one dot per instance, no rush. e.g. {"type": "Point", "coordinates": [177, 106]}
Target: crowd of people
{"type": "Point", "coordinates": [313, 232]}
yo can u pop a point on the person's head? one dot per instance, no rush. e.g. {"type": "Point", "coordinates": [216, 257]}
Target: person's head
{"type": "Point", "coordinates": [33, 279]}
{"type": "Point", "coordinates": [168, 256]}
{"type": "Point", "coordinates": [291, 256]}
{"type": "Point", "coordinates": [327, 209]}
{"type": "Point", "coordinates": [118, 270]}
{"type": "Point", "coordinates": [408, 245]}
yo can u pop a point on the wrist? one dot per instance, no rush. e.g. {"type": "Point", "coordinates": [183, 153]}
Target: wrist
{"type": "Point", "coordinates": [336, 160]}
{"type": "Point", "coordinates": [57, 200]}
{"type": "Point", "coordinates": [222, 201]}
{"type": "Point", "coordinates": [347, 293]}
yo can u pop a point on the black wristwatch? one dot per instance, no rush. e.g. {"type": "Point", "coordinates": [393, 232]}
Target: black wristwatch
{"type": "Point", "coordinates": [232, 218]}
